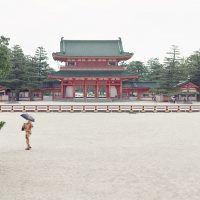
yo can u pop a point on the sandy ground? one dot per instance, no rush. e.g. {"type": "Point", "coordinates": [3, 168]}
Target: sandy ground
{"type": "Point", "coordinates": [101, 156]}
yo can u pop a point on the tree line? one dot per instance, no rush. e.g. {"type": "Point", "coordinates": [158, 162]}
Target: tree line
{"type": "Point", "coordinates": [172, 71]}
{"type": "Point", "coordinates": [20, 70]}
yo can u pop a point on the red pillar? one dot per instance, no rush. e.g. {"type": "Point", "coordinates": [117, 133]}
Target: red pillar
{"type": "Point", "coordinates": [128, 93]}
{"type": "Point", "coordinates": [97, 89]}
{"type": "Point", "coordinates": [120, 89]}
{"type": "Point", "coordinates": [62, 89]}
{"type": "Point", "coordinates": [42, 93]}
{"type": "Point", "coordinates": [108, 89]}
{"type": "Point", "coordinates": [85, 88]}
{"type": "Point", "coordinates": [29, 95]}
{"type": "Point", "coordinates": [73, 86]}
{"type": "Point", "coordinates": [53, 95]}
{"type": "Point", "coordinates": [138, 94]}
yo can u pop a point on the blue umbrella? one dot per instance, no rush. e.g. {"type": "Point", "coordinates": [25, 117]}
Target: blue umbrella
{"type": "Point", "coordinates": [27, 117]}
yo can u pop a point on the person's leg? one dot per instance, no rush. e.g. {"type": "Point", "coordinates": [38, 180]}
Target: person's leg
{"type": "Point", "coordinates": [27, 141]}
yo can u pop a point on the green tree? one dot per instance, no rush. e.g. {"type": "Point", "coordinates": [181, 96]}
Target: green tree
{"type": "Point", "coordinates": [31, 72]}
{"type": "Point", "coordinates": [4, 56]}
{"type": "Point", "coordinates": [155, 69]}
{"type": "Point", "coordinates": [193, 65]}
{"type": "Point", "coordinates": [17, 71]}
{"type": "Point", "coordinates": [16, 76]}
{"type": "Point", "coordinates": [137, 68]}
{"type": "Point", "coordinates": [171, 72]}
{"type": "Point", "coordinates": [41, 64]}
{"type": "Point", "coordinates": [2, 124]}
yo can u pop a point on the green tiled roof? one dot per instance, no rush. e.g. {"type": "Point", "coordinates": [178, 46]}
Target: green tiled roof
{"type": "Point", "coordinates": [144, 84]}
{"type": "Point", "coordinates": [91, 48]}
{"type": "Point", "coordinates": [181, 83]}
{"type": "Point", "coordinates": [89, 73]}
{"type": "Point", "coordinates": [141, 84]}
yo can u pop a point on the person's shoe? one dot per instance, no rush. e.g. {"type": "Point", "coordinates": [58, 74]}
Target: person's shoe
{"type": "Point", "coordinates": [27, 148]}
{"type": "Point", "coordinates": [30, 147]}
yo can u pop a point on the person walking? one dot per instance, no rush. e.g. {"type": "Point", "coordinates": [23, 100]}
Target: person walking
{"type": "Point", "coordinates": [28, 129]}
{"type": "Point", "coordinates": [173, 99]}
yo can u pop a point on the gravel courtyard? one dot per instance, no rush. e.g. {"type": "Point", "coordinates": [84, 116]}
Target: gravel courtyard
{"type": "Point", "coordinates": [101, 156]}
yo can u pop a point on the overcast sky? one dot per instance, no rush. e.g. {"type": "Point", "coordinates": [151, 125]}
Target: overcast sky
{"type": "Point", "coordinates": [147, 27]}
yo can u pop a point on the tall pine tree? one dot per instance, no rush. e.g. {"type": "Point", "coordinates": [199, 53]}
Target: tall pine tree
{"type": "Point", "coordinates": [17, 71]}
{"type": "Point", "coordinates": [193, 64]}
{"type": "Point", "coordinates": [41, 65]}
{"type": "Point", "coordinates": [17, 77]}
{"type": "Point", "coordinates": [171, 72]}
{"type": "Point", "coordinates": [4, 56]}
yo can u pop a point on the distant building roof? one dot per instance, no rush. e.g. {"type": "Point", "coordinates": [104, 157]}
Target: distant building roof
{"type": "Point", "coordinates": [91, 48]}
{"type": "Point", "coordinates": [2, 87]}
{"type": "Point", "coordinates": [182, 83]}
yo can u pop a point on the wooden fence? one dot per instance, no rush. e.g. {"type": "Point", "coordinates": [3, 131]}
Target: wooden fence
{"type": "Point", "coordinates": [100, 108]}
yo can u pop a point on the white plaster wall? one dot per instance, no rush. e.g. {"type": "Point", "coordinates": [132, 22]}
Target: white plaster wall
{"type": "Point", "coordinates": [69, 91]}
{"type": "Point", "coordinates": [113, 91]}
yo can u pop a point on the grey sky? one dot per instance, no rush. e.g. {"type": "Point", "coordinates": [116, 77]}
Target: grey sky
{"type": "Point", "coordinates": [147, 27]}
